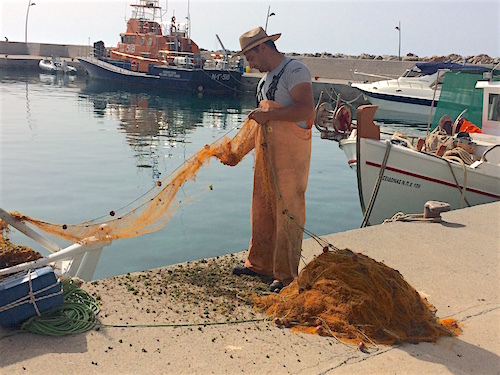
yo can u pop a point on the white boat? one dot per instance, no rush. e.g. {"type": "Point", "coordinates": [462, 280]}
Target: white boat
{"type": "Point", "coordinates": [397, 175]}
{"type": "Point", "coordinates": [56, 66]}
{"type": "Point", "coordinates": [410, 97]}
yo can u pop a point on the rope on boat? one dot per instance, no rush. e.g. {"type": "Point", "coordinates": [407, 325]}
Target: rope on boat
{"type": "Point", "coordinates": [334, 99]}
{"type": "Point", "coordinates": [463, 190]}
{"type": "Point", "coordinates": [368, 211]}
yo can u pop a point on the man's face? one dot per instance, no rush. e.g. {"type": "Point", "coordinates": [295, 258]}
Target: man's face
{"type": "Point", "coordinates": [254, 58]}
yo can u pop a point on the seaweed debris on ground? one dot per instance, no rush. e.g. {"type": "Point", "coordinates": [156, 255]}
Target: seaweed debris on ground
{"type": "Point", "coordinates": [198, 292]}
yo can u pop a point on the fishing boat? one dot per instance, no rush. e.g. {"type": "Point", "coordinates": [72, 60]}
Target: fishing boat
{"type": "Point", "coordinates": [54, 66]}
{"type": "Point", "coordinates": [410, 97]}
{"type": "Point", "coordinates": [457, 163]}
{"type": "Point", "coordinates": [157, 55]}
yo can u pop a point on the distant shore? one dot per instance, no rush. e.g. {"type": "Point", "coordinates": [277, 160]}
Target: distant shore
{"type": "Point", "coordinates": [476, 59]}
{"type": "Point", "coordinates": [73, 51]}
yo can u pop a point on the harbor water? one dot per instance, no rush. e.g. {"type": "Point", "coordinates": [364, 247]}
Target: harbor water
{"type": "Point", "coordinates": [73, 150]}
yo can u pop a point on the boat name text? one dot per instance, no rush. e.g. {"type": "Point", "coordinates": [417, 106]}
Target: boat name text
{"type": "Point", "coordinates": [401, 182]}
{"type": "Point", "coordinates": [170, 74]}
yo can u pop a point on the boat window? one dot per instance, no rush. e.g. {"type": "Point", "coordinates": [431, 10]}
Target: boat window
{"type": "Point", "coordinates": [123, 38]}
{"type": "Point", "coordinates": [142, 41]}
{"type": "Point", "coordinates": [133, 40]}
{"type": "Point", "coordinates": [413, 72]}
{"type": "Point", "coordinates": [494, 107]}
{"type": "Point", "coordinates": [150, 41]}
{"type": "Point", "coordinates": [128, 39]}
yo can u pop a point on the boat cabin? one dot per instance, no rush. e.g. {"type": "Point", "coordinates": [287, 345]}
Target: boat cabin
{"type": "Point", "coordinates": [491, 106]}
{"type": "Point", "coordinates": [147, 40]}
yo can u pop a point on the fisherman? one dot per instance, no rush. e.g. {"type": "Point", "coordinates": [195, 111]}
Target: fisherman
{"type": "Point", "coordinates": [282, 158]}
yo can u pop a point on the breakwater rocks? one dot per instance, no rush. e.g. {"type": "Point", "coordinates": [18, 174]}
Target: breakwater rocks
{"type": "Point", "coordinates": [481, 59]}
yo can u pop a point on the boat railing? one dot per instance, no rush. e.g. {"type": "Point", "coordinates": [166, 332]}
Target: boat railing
{"type": "Point", "coordinates": [76, 260]}
{"type": "Point", "coordinates": [183, 59]}
{"type": "Point", "coordinates": [399, 81]}
{"type": "Point", "coordinates": [167, 57]}
{"type": "Point", "coordinates": [370, 75]}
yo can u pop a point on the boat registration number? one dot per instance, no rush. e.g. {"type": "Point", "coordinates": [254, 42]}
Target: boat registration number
{"type": "Point", "coordinates": [221, 76]}
{"type": "Point", "coordinates": [401, 182]}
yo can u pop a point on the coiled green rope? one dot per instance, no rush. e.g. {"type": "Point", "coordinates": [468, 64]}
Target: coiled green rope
{"type": "Point", "coordinates": [76, 315]}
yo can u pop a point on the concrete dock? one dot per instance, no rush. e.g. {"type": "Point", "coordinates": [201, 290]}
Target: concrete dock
{"type": "Point", "coordinates": [455, 264]}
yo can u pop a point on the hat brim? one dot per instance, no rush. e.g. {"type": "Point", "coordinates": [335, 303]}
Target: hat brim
{"type": "Point", "coordinates": [273, 37]}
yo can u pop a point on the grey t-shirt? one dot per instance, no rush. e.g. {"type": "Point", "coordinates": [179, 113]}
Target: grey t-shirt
{"type": "Point", "coordinates": [277, 83]}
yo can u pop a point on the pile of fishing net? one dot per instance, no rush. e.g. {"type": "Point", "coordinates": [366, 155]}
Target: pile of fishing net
{"type": "Point", "coordinates": [11, 254]}
{"type": "Point", "coordinates": [355, 299]}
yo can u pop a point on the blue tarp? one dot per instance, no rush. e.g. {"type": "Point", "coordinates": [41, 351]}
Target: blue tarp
{"type": "Point", "coordinates": [432, 67]}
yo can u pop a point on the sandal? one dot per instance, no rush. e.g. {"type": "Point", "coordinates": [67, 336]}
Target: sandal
{"type": "Point", "coordinates": [242, 270]}
{"type": "Point", "coordinates": [276, 286]}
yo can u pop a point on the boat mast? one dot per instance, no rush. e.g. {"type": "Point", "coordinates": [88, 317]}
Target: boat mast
{"type": "Point", "coordinates": [223, 48]}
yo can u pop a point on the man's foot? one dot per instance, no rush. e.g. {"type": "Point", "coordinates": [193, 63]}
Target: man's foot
{"type": "Point", "coordinates": [242, 270]}
{"type": "Point", "coordinates": [276, 286]}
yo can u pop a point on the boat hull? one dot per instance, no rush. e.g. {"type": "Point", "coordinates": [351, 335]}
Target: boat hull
{"type": "Point", "coordinates": [195, 80]}
{"type": "Point", "coordinates": [401, 104]}
{"type": "Point", "coordinates": [410, 179]}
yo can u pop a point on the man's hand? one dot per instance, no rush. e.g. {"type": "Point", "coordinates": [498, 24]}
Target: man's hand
{"type": "Point", "coordinates": [259, 115]}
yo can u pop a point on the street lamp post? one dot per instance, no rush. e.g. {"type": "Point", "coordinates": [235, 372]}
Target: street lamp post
{"type": "Point", "coordinates": [399, 44]}
{"type": "Point", "coordinates": [26, 24]}
{"type": "Point", "coordinates": [269, 15]}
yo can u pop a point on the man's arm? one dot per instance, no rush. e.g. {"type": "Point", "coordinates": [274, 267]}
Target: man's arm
{"type": "Point", "coordinates": [302, 108]}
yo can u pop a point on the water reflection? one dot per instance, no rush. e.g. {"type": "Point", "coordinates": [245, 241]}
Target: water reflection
{"type": "Point", "coordinates": [57, 79]}
{"type": "Point", "coordinates": [156, 123]}
{"type": "Point", "coordinates": [29, 120]}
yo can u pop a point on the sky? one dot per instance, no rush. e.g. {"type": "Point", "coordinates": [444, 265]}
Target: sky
{"type": "Point", "coordinates": [351, 27]}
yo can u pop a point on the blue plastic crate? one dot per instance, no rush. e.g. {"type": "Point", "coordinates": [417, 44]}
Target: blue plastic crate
{"type": "Point", "coordinates": [17, 304]}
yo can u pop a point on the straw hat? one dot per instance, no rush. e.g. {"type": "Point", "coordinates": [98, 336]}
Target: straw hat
{"type": "Point", "coordinates": [255, 37]}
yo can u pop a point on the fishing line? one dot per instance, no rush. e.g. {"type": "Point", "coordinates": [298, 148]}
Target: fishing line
{"type": "Point", "coordinates": [160, 183]}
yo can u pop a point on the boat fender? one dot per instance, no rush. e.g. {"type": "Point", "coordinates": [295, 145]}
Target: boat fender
{"type": "Point", "coordinates": [446, 123]}
{"type": "Point", "coordinates": [465, 125]}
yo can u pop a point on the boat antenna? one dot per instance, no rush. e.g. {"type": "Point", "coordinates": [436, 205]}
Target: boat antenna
{"type": "Point", "coordinates": [188, 24]}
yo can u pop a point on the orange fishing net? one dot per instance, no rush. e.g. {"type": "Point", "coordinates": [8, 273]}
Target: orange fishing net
{"type": "Point", "coordinates": [153, 210]}
{"type": "Point", "coordinates": [352, 297]}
